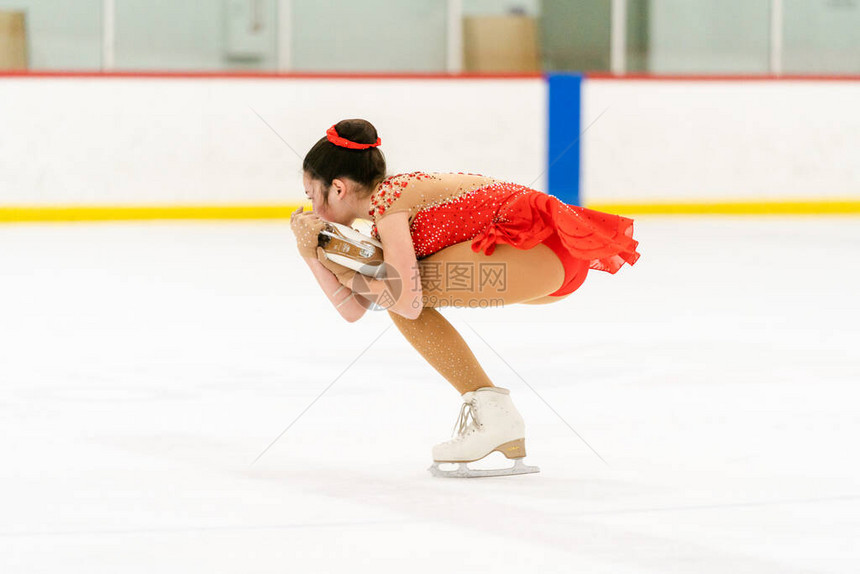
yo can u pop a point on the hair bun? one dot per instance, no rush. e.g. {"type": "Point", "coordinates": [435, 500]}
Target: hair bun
{"type": "Point", "coordinates": [353, 134]}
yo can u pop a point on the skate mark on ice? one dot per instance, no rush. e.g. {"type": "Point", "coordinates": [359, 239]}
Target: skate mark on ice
{"type": "Point", "coordinates": [324, 391]}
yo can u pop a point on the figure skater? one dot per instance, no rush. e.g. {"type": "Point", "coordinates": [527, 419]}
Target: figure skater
{"type": "Point", "coordinates": [451, 239]}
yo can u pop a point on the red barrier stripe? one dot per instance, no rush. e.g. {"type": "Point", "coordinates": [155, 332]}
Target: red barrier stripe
{"type": "Point", "coordinates": [722, 78]}
{"type": "Point", "coordinates": [264, 75]}
{"type": "Point", "coordinates": [417, 76]}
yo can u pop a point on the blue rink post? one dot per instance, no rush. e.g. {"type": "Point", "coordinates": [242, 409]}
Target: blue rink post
{"type": "Point", "coordinates": [563, 118]}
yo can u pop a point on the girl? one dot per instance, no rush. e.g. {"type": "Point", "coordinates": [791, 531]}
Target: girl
{"type": "Point", "coordinates": [451, 239]}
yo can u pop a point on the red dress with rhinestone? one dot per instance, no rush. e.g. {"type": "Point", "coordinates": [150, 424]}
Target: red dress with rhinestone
{"type": "Point", "coordinates": [445, 209]}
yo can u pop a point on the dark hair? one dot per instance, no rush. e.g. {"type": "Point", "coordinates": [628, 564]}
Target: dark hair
{"type": "Point", "coordinates": [327, 161]}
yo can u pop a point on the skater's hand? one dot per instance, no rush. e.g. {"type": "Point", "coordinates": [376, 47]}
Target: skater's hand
{"type": "Point", "coordinates": [306, 226]}
{"type": "Point", "coordinates": [344, 274]}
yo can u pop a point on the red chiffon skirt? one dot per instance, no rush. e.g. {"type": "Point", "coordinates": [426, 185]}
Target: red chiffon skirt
{"type": "Point", "coordinates": [582, 238]}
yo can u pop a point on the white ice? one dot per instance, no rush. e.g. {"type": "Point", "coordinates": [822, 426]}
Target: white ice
{"type": "Point", "coordinates": [144, 366]}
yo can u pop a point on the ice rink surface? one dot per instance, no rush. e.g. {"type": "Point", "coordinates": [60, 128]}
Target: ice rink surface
{"type": "Point", "coordinates": [144, 366]}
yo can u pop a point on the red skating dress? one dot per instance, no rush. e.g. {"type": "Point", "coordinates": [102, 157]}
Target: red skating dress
{"type": "Point", "coordinates": [449, 208]}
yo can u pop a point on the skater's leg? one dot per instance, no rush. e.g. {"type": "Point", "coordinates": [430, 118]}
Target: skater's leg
{"type": "Point", "coordinates": [442, 346]}
{"type": "Point", "coordinates": [458, 277]}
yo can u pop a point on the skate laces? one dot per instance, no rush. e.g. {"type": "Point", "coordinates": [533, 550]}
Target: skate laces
{"type": "Point", "coordinates": [462, 425]}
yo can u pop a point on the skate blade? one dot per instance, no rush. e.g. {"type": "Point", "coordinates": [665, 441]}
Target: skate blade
{"type": "Point", "coordinates": [375, 271]}
{"type": "Point", "coordinates": [357, 252]}
{"type": "Point", "coordinates": [463, 470]}
{"type": "Point", "coordinates": [345, 234]}
{"type": "Point", "coordinates": [366, 248]}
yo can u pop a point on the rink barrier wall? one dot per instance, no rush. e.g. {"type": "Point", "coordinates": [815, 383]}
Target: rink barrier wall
{"type": "Point", "coordinates": [721, 145]}
{"type": "Point", "coordinates": [568, 156]}
{"type": "Point", "coordinates": [126, 140]}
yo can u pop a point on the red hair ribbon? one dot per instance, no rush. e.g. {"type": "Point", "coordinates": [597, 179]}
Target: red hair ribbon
{"type": "Point", "coordinates": [331, 135]}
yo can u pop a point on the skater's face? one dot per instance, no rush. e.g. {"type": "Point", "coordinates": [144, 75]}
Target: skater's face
{"type": "Point", "coordinates": [340, 206]}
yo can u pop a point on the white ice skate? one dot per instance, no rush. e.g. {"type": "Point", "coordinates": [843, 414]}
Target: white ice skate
{"type": "Point", "coordinates": [495, 425]}
{"type": "Point", "coordinates": [350, 248]}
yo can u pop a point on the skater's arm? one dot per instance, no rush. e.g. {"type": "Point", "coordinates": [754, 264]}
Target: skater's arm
{"type": "Point", "coordinates": [399, 253]}
{"type": "Point", "coordinates": [351, 306]}
{"type": "Point", "coordinates": [402, 280]}
{"type": "Point", "coordinates": [306, 226]}
{"type": "Point", "coordinates": [363, 289]}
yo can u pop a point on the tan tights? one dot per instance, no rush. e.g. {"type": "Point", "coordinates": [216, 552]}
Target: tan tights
{"type": "Point", "coordinates": [455, 277]}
